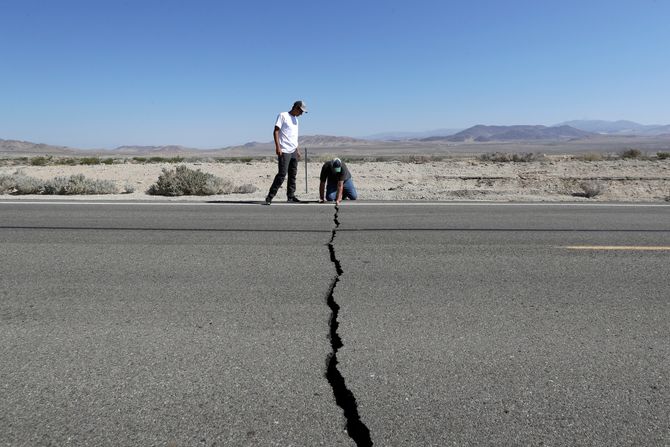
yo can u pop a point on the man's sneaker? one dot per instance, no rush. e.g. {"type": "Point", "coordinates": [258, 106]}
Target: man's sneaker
{"type": "Point", "coordinates": [268, 200]}
{"type": "Point", "coordinates": [293, 199]}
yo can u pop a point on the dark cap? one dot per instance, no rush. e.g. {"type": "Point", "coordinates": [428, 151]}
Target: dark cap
{"type": "Point", "coordinates": [337, 165]}
{"type": "Point", "coordinates": [300, 105]}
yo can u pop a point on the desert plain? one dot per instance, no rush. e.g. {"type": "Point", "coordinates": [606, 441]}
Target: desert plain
{"type": "Point", "coordinates": [461, 177]}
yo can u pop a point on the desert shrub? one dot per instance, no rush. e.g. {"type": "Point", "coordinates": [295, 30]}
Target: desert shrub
{"type": "Point", "coordinates": [183, 181]}
{"type": "Point", "coordinates": [89, 160]}
{"type": "Point", "coordinates": [19, 183]}
{"type": "Point", "coordinates": [592, 189]}
{"type": "Point", "coordinates": [78, 184]}
{"type": "Point", "coordinates": [631, 153]}
{"type": "Point", "coordinates": [27, 185]}
{"type": "Point", "coordinates": [128, 188]}
{"type": "Point", "coordinates": [662, 155]}
{"type": "Point", "coordinates": [157, 159]}
{"type": "Point", "coordinates": [140, 159]}
{"type": "Point", "coordinates": [66, 161]}
{"type": "Point", "coordinates": [40, 161]}
{"type": "Point", "coordinates": [501, 157]}
{"type": "Point", "coordinates": [591, 156]}
{"type": "Point", "coordinates": [6, 184]}
{"type": "Point", "coordinates": [107, 161]}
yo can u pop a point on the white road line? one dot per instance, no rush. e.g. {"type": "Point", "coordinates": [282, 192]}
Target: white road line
{"type": "Point", "coordinates": [360, 203]}
{"type": "Point", "coordinates": [618, 247]}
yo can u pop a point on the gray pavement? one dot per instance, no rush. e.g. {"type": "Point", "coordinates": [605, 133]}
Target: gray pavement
{"type": "Point", "coordinates": [208, 325]}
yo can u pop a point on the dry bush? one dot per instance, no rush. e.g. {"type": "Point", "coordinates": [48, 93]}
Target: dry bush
{"type": "Point", "coordinates": [662, 155]}
{"type": "Point", "coordinates": [590, 156]}
{"type": "Point", "coordinates": [501, 157]}
{"type": "Point", "coordinates": [183, 181]}
{"type": "Point", "coordinates": [89, 160]}
{"type": "Point", "coordinates": [631, 153]}
{"type": "Point", "coordinates": [6, 184]}
{"type": "Point", "coordinates": [68, 161]}
{"type": "Point", "coordinates": [40, 161]}
{"type": "Point", "coordinates": [78, 185]}
{"type": "Point", "coordinates": [19, 183]}
{"type": "Point", "coordinates": [592, 189]}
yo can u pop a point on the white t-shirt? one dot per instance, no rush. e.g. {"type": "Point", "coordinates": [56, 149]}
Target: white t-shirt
{"type": "Point", "coordinates": [288, 132]}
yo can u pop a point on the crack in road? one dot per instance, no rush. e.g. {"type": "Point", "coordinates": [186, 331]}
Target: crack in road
{"type": "Point", "coordinates": [344, 398]}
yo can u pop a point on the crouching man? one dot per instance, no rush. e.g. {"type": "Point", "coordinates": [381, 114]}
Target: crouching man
{"type": "Point", "coordinates": [336, 182]}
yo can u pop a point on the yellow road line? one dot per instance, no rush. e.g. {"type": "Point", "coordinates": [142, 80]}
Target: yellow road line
{"type": "Point", "coordinates": [619, 247]}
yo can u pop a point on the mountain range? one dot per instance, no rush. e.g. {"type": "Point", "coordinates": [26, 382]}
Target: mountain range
{"type": "Point", "coordinates": [591, 133]}
{"type": "Point", "coordinates": [621, 127]}
{"type": "Point", "coordinates": [481, 133]}
{"type": "Point", "coordinates": [400, 136]}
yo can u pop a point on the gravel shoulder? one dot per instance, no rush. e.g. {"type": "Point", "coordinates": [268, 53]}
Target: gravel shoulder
{"type": "Point", "coordinates": [555, 179]}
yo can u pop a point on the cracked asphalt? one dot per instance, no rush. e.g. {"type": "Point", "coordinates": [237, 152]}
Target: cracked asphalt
{"type": "Point", "coordinates": [208, 325]}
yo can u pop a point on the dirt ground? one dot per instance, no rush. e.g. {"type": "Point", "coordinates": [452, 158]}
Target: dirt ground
{"type": "Point", "coordinates": [559, 178]}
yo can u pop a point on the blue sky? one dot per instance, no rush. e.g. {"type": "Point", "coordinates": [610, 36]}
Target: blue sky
{"type": "Point", "coordinates": [103, 73]}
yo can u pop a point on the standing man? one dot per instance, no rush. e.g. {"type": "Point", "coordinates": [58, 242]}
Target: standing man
{"type": "Point", "coordinates": [340, 184]}
{"type": "Point", "coordinates": [288, 153]}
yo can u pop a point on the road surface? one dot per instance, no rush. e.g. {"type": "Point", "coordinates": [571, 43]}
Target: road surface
{"type": "Point", "coordinates": [208, 324]}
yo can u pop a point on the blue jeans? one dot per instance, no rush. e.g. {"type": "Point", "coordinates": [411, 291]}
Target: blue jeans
{"type": "Point", "coordinates": [288, 163]}
{"type": "Point", "coordinates": [348, 191]}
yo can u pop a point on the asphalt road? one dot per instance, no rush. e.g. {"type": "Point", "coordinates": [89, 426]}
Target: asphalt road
{"type": "Point", "coordinates": [208, 324]}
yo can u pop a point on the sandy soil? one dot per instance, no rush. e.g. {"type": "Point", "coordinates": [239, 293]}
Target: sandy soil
{"type": "Point", "coordinates": [556, 179]}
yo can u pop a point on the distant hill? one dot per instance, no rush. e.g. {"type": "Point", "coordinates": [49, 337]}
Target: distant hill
{"type": "Point", "coordinates": [542, 139]}
{"type": "Point", "coordinates": [319, 143]}
{"type": "Point", "coordinates": [482, 133]}
{"type": "Point", "coordinates": [404, 136]}
{"type": "Point", "coordinates": [28, 148]}
{"type": "Point", "coordinates": [620, 127]}
{"type": "Point", "coordinates": [151, 150]}
{"type": "Point", "coordinates": [329, 140]}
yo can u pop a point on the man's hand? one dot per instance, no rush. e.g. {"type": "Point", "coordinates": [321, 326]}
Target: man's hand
{"type": "Point", "coordinates": [299, 155]}
{"type": "Point", "coordinates": [278, 151]}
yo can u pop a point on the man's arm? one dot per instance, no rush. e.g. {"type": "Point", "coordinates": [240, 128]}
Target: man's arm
{"type": "Point", "coordinates": [340, 188]}
{"type": "Point", "coordinates": [276, 137]}
{"type": "Point", "coordinates": [322, 187]}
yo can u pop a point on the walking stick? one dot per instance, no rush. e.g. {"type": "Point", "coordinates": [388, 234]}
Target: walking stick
{"type": "Point", "coordinates": [305, 170]}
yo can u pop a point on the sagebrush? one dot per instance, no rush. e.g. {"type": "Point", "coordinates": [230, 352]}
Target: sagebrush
{"type": "Point", "coordinates": [592, 189]}
{"type": "Point", "coordinates": [631, 153]}
{"type": "Point", "coordinates": [78, 184]}
{"type": "Point", "coordinates": [183, 181]}
{"type": "Point", "coordinates": [21, 184]}
{"type": "Point", "coordinates": [501, 157]}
